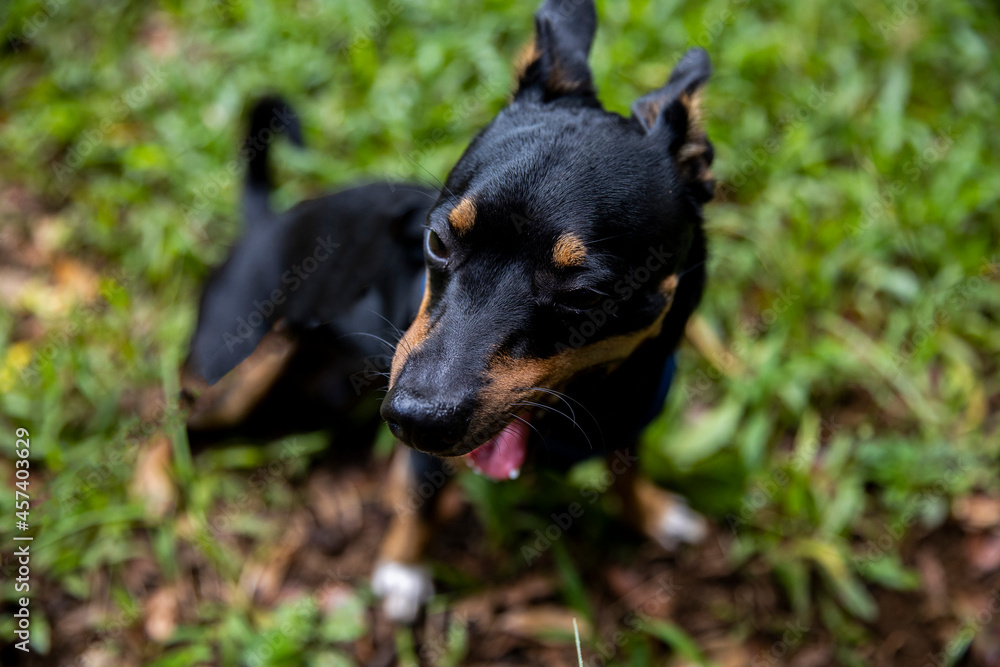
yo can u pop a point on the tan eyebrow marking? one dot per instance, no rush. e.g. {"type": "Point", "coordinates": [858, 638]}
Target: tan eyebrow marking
{"type": "Point", "coordinates": [463, 216]}
{"type": "Point", "coordinates": [569, 251]}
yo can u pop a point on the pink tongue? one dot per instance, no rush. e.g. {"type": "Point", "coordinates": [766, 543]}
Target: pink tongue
{"type": "Point", "coordinates": [503, 456]}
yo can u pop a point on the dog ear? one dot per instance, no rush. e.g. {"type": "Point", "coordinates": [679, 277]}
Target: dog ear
{"type": "Point", "coordinates": [675, 109]}
{"type": "Point", "coordinates": [554, 65]}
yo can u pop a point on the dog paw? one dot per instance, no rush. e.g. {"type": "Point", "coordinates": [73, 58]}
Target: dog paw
{"type": "Point", "coordinates": [403, 588]}
{"type": "Point", "coordinates": [678, 524]}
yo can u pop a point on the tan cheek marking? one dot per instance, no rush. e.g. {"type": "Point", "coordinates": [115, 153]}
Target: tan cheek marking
{"type": "Point", "coordinates": [510, 379]}
{"type": "Point", "coordinates": [569, 251]}
{"type": "Point", "coordinates": [414, 336]}
{"type": "Point", "coordinates": [463, 216]}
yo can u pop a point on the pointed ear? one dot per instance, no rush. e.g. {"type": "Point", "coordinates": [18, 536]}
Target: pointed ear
{"type": "Point", "coordinates": [555, 64]}
{"type": "Point", "coordinates": [675, 110]}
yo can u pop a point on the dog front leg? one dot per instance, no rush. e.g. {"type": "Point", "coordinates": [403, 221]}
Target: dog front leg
{"type": "Point", "coordinates": [655, 512]}
{"type": "Point", "coordinates": [401, 578]}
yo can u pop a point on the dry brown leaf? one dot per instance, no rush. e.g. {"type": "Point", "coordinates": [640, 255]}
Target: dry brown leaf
{"type": "Point", "coordinates": [478, 609]}
{"type": "Point", "coordinates": [983, 552]}
{"type": "Point", "coordinates": [935, 582]}
{"type": "Point", "coordinates": [813, 656]}
{"type": "Point", "coordinates": [13, 282]}
{"type": "Point", "coordinates": [262, 580]}
{"type": "Point", "coordinates": [335, 501]}
{"type": "Point", "coordinates": [161, 610]}
{"type": "Point", "coordinates": [100, 656]}
{"type": "Point", "coordinates": [545, 624]}
{"type": "Point", "coordinates": [527, 590]}
{"type": "Point", "coordinates": [978, 512]}
{"type": "Point", "coordinates": [726, 651]}
{"type": "Point", "coordinates": [708, 343]}
{"type": "Point", "coordinates": [76, 278]}
{"type": "Point", "coordinates": [151, 481]}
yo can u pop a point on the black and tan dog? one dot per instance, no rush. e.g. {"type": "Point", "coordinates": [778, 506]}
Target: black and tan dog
{"type": "Point", "coordinates": [560, 264]}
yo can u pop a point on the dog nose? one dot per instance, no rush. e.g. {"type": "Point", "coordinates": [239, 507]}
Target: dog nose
{"type": "Point", "coordinates": [429, 426]}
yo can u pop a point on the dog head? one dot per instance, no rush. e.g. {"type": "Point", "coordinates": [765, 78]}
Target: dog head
{"type": "Point", "coordinates": [555, 250]}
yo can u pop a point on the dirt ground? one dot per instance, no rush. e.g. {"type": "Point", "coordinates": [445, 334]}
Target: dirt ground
{"type": "Point", "coordinates": [737, 614]}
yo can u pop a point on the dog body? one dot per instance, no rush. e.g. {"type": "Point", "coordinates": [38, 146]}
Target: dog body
{"type": "Point", "coordinates": [301, 307]}
{"type": "Point", "coordinates": [542, 304]}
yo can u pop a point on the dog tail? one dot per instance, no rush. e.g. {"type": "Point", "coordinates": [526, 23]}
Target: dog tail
{"type": "Point", "coordinates": [270, 117]}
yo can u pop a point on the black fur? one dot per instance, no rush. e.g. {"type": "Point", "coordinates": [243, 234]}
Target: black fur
{"type": "Point", "coordinates": [364, 290]}
{"type": "Point", "coordinates": [548, 165]}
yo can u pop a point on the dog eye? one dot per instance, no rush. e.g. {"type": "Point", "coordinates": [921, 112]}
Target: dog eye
{"type": "Point", "coordinates": [435, 248]}
{"type": "Point", "coordinates": [580, 299]}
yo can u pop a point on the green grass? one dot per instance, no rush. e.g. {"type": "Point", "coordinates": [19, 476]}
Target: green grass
{"type": "Point", "coordinates": [853, 301]}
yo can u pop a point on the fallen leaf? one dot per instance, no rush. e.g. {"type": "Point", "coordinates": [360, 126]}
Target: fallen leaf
{"type": "Point", "coordinates": [935, 582]}
{"type": "Point", "coordinates": [151, 482]}
{"type": "Point", "coordinates": [978, 512]}
{"type": "Point", "coordinates": [983, 552]}
{"type": "Point", "coordinates": [262, 580]}
{"type": "Point", "coordinates": [161, 614]}
{"type": "Point", "coordinates": [544, 624]}
{"type": "Point", "coordinates": [76, 278]}
{"type": "Point", "coordinates": [335, 501]}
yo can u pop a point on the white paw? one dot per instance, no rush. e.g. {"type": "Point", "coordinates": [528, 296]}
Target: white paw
{"type": "Point", "coordinates": [679, 523]}
{"type": "Point", "coordinates": [403, 589]}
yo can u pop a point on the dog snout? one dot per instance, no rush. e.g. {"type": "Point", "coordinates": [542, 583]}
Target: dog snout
{"type": "Point", "coordinates": [431, 426]}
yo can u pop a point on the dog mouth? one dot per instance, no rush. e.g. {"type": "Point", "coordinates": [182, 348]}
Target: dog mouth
{"type": "Point", "coordinates": [502, 456]}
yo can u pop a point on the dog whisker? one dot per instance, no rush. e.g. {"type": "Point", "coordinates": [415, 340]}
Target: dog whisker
{"type": "Point", "coordinates": [397, 330]}
{"type": "Point", "coordinates": [370, 335]}
{"type": "Point", "coordinates": [435, 181]}
{"type": "Point", "coordinates": [565, 398]}
{"type": "Point", "coordinates": [530, 425]}
{"type": "Point", "coordinates": [563, 414]}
